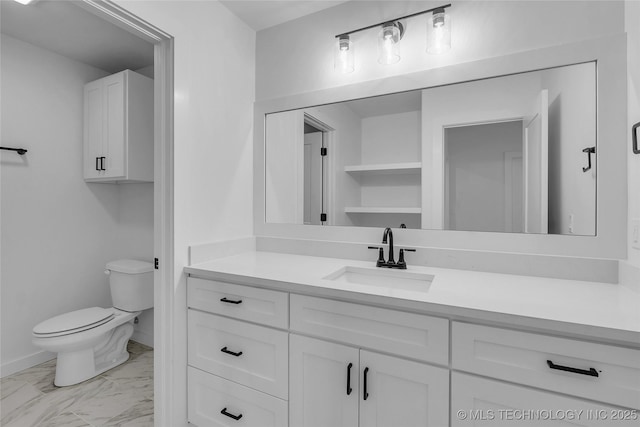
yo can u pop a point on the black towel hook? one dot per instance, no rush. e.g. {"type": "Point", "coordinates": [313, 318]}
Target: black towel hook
{"type": "Point", "coordinates": [589, 151]}
{"type": "Point", "coordinates": [20, 151]}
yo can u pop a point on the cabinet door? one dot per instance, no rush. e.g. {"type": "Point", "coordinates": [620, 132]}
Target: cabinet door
{"type": "Point", "coordinates": [318, 381]}
{"type": "Point", "coordinates": [93, 132]}
{"type": "Point", "coordinates": [402, 393]}
{"type": "Point", "coordinates": [114, 140]}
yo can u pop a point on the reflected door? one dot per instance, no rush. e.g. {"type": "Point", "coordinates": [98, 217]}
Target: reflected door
{"type": "Point", "coordinates": [313, 194]}
{"type": "Point", "coordinates": [536, 161]}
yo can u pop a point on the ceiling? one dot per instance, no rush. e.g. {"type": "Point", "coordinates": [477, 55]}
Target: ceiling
{"type": "Point", "coordinates": [261, 14]}
{"type": "Point", "coordinates": [69, 30]}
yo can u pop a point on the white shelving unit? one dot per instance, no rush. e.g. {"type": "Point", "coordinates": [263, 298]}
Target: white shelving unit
{"type": "Point", "coordinates": [385, 168]}
{"type": "Point", "coordinates": [382, 210]}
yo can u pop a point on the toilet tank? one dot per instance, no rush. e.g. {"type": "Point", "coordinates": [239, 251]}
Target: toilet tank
{"type": "Point", "coordinates": [131, 283]}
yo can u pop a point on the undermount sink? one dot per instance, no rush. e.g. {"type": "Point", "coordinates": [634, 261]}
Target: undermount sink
{"type": "Point", "coordinates": [382, 277]}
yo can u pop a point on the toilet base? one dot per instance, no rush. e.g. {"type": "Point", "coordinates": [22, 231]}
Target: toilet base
{"type": "Point", "coordinates": [77, 366]}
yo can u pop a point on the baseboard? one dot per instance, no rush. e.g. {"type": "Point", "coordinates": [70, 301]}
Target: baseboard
{"type": "Point", "coordinates": [143, 338]}
{"type": "Point", "coordinates": [26, 362]}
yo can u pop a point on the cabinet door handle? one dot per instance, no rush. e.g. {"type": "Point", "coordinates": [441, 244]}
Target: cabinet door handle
{"type": "Point", "coordinates": [365, 394]}
{"type": "Point", "coordinates": [224, 350]}
{"type": "Point", "coordinates": [590, 372]}
{"type": "Point", "coordinates": [97, 160]}
{"type": "Point", "coordinates": [230, 301]}
{"type": "Point", "coordinates": [102, 159]}
{"type": "Point", "coordinates": [349, 390]}
{"type": "Point", "coordinates": [230, 415]}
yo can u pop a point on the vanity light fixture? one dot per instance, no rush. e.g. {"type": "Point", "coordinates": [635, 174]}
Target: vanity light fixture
{"type": "Point", "coordinates": [438, 39]}
{"type": "Point", "coordinates": [388, 39]}
{"type": "Point", "coordinates": [343, 60]}
{"type": "Point", "coordinates": [438, 32]}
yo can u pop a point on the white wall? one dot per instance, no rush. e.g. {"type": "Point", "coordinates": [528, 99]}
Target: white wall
{"type": "Point", "coordinates": [214, 59]}
{"type": "Point", "coordinates": [480, 29]}
{"type": "Point", "coordinates": [632, 26]}
{"type": "Point", "coordinates": [284, 167]}
{"type": "Point", "coordinates": [572, 127]}
{"type": "Point", "coordinates": [58, 232]}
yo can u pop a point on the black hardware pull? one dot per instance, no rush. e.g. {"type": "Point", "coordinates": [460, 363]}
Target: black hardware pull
{"type": "Point", "coordinates": [634, 135]}
{"type": "Point", "coordinates": [365, 394]}
{"type": "Point", "coordinates": [230, 301]}
{"type": "Point", "coordinates": [590, 372]}
{"type": "Point", "coordinates": [349, 390]}
{"type": "Point", "coordinates": [589, 151]}
{"type": "Point", "coordinates": [235, 417]}
{"type": "Point", "coordinates": [102, 159]}
{"type": "Point", "coordinates": [97, 163]}
{"type": "Point", "coordinates": [224, 350]}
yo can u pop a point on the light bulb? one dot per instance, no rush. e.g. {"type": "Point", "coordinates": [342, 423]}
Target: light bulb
{"type": "Point", "coordinates": [388, 52]}
{"type": "Point", "coordinates": [438, 32]}
{"type": "Point", "coordinates": [344, 55]}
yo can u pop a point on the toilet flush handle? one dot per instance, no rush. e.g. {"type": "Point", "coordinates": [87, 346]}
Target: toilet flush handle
{"type": "Point", "coordinates": [107, 272]}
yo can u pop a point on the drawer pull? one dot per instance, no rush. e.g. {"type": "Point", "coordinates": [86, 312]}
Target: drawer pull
{"type": "Point", "coordinates": [230, 301]}
{"type": "Point", "coordinates": [349, 390]}
{"type": "Point", "coordinates": [235, 417]}
{"type": "Point", "coordinates": [590, 372]}
{"type": "Point", "coordinates": [224, 350]}
{"type": "Point", "coordinates": [365, 395]}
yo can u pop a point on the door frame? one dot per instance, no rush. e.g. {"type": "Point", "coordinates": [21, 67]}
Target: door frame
{"type": "Point", "coordinates": [163, 197]}
{"type": "Point", "coordinates": [328, 168]}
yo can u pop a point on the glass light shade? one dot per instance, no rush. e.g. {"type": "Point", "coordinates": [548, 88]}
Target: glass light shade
{"type": "Point", "coordinates": [388, 38]}
{"type": "Point", "coordinates": [438, 32]}
{"type": "Point", "coordinates": [343, 60]}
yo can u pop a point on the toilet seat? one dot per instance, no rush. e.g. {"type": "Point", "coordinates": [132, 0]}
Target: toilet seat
{"type": "Point", "coordinates": [73, 322]}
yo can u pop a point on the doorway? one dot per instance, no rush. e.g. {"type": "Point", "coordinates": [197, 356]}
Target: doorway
{"type": "Point", "coordinates": [484, 177]}
{"type": "Point", "coordinates": [158, 196]}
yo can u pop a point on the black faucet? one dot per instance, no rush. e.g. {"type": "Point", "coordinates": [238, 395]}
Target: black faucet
{"type": "Point", "coordinates": [390, 263]}
{"type": "Point", "coordinates": [387, 232]}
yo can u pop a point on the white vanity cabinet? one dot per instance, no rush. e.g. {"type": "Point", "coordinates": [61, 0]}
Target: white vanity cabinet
{"type": "Point", "coordinates": [315, 361]}
{"type": "Point", "coordinates": [118, 128]}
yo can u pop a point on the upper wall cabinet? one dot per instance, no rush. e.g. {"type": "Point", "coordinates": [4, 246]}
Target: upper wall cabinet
{"type": "Point", "coordinates": [118, 128]}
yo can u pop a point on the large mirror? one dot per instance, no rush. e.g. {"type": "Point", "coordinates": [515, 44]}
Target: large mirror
{"type": "Point", "coordinates": [514, 153]}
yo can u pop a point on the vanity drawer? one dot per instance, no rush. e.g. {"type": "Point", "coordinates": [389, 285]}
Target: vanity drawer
{"type": "Point", "coordinates": [404, 334]}
{"type": "Point", "coordinates": [524, 357]}
{"type": "Point", "coordinates": [483, 402]}
{"type": "Point", "coordinates": [262, 306]}
{"type": "Point", "coordinates": [209, 395]}
{"type": "Point", "coordinates": [252, 355]}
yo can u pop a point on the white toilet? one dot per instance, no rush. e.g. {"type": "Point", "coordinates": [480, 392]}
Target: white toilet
{"type": "Point", "coordinates": [93, 340]}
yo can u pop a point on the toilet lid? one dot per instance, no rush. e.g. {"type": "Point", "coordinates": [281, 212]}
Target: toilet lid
{"type": "Point", "coordinates": [75, 321]}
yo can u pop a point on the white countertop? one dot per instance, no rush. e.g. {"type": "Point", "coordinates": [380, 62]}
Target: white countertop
{"type": "Point", "coordinates": [600, 311]}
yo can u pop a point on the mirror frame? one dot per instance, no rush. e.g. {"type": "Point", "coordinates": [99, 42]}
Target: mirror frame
{"type": "Point", "coordinates": [610, 55]}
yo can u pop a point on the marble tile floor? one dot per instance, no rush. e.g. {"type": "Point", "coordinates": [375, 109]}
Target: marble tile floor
{"type": "Point", "coordinates": [122, 396]}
